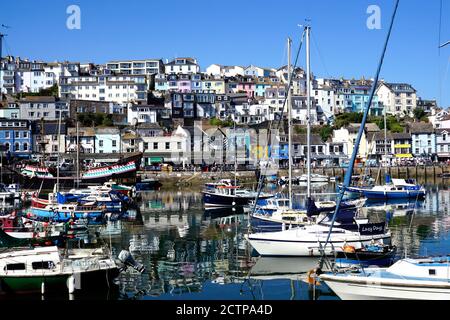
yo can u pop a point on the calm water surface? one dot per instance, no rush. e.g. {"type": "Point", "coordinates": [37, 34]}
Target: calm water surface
{"type": "Point", "coordinates": [190, 253]}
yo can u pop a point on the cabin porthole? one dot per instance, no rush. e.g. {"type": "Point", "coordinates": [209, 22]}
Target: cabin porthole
{"type": "Point", "coordinates": [432, 272]}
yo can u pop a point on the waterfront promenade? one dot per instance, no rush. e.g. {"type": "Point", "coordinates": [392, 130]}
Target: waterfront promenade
{"type": "Point", "coordinates": [192, 178]}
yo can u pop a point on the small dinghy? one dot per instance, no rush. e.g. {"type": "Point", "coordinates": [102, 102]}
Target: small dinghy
{"type": "Point", "coordinates": [375, 254]}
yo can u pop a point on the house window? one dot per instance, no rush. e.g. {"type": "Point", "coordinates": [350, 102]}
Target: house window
{"type": "Point", "coordinates": [17, 134]}
{"type": "Point", "coordinates": [25, 146]}
{"type": "Point", "coordinates": [155, 145]}
{"type": "Point", "coordinates": [179, 145]}
{"type": "Point", "coordinates": [114, 143]}
{"type": "Point", "coordinates": [25, 134]}
{"type": "Point", "coordinates": [17, 146]}
{"type": "Point", "coordinates": [167, 145]}
{"type": "Point", "coordinates": [54, 148]}
{"type": "Point", "coordinates": [100, 143]}
{"type": "Point", "coordinates": [145, 145]}
{"type": "Point", "coordinates": [6, 134]}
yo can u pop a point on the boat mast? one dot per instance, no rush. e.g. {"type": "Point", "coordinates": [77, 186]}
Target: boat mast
{"type": "Point", "coordinates": [385, 143]}
{"type": "Point", "coordinates": [59, 151]}
{"type": "Point", "coordinates": [308, 112]}
{"type": "Point", "coordinates": [235, 153]}
{"type": "Point", "coordinates": [289, 107]}
{"type": "Point", "coordinates": [78, 156]}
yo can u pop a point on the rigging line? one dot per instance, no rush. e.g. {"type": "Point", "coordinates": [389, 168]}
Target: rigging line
{"type": "Point", "coordinates": [439, 53]}
{"type": "Point", "coordinates": [281, 120]}
{"type": "Point", "coordinates": [320, 55]}
{"type": "Point", "coordinates": [348, 174]}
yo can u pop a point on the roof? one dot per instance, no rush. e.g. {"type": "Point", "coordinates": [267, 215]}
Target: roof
{"type": "Point", "coordinates": [189, 61]}
{"type": "Point", "coordinates": [107, 130]}
{"type": "Point", "coordinates": [440, 131]}
{"type": "Point", "coordinates": [148, 125]}
{"type": "Point", "coordinates": [400, 87]}
{"type": "Point", "coordinates": [421, 127]}
{"type": "Point", "coordinates": [85, 131]}
{"type": "Point", "coordinates": [38, 99]}
{"type": "Point", "coordinates": [51, 128]}
{"type": "Point", "coordinates": [391, 135]}
{"type": "Point", "coordinates": [369, 127]}
{"type": "Point", "coordinates": [137, 60]}
{"type": "Point", "coordinates": [129, 136]}
{"type": "Point", "coordinates": [301, 139]}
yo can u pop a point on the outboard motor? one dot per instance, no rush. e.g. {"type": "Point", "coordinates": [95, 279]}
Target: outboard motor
{"type": "Point", "coordinates": [127, 259]}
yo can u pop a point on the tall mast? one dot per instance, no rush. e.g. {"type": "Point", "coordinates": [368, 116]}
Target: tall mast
{"type": "Point", "coordinates": [235, 153]}
{"type": "Point", "coordinates": [289, 106]}
{"type": "Point", "coordinates": [385, 143]}
{"type": "Point", "coordinates": [308, 112]}
{"type": "Point", "coordinates": [59, 151]}
{"type": "Point", "coordinates": [78, 156]}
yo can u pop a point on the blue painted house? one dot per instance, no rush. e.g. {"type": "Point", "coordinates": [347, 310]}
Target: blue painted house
{"type": "Point", "coordinates": [423, 138]}
{"type": "Point", "coordinates": [16, 137]}
{"type": "Point", "coordinates": [359, 97]}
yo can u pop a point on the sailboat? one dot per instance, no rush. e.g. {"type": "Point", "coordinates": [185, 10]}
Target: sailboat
{"type": "Point", "coordinates": [309, 239]}
{"type": "Point", "coordinates": [393, 188]}
{"type": "Point", "coordinates": [125, 169]}
{"type": "Point", "coordinates": [58, 211]}
{"type": "Point", "coordinates": [226, 192]}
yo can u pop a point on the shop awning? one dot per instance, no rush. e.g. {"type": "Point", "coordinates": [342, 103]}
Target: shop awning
{"type": "Point", "coordinates": [404, 155]}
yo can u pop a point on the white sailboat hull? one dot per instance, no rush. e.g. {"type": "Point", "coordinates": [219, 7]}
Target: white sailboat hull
{"type": "Point", "coordinates": [307, 242]}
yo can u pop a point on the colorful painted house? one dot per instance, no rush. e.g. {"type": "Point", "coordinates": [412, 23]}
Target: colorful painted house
{"type": "Point", "coordinates": [16, 137]}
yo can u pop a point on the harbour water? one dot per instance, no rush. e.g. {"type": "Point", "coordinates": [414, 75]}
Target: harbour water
{"type": "Point", "coordinates": [190, 253]}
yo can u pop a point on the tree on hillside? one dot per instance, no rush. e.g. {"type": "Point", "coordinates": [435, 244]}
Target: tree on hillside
{"type": "Point", "coordinates": [419, 114]}
{"type": "Point", "coordinates": [344, 119]}
{"type": "Point", "coordinates": [52, 91]}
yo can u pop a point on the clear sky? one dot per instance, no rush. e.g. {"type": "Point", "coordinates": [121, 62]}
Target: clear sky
{"type": "Point", "coordinates": [240, 32]}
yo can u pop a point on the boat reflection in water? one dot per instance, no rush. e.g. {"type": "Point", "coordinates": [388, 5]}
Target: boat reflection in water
{"type": "Point", "coordinates": [288, 274]}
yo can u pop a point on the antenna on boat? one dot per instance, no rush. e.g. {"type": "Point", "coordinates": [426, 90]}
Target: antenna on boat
{"type": "Point", "coordinates": [348, 174]}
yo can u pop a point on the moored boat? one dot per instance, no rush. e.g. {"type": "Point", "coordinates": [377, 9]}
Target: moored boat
{"type": "Point", "coordinates": [423, 278]}
{"type": "Point", "coordinates": [47, 268]}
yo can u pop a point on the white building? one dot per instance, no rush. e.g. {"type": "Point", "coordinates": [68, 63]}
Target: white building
{"type": "Point", "coordinates": [146, 66]}
{"type": "Point", "coordinates": [182, 65]}
{"type": "Point", "coordinates": [172, 148]}
{"type": "Point", "coordinates": [40, 107]}
{"type": "Point", "coordinates": [224, 71]}
{"type": "Point", "coordinates": [120, 89]}
{"type": "Point", "coordinates": [255, 71]}
{"type": "Point", "coordinates": [86, 138]}
{"type": "Point", "coordinates": [399, 98]}
{"type": "Point", "coordinates": [142, 114]}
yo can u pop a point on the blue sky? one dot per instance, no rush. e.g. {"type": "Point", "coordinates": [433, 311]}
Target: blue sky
{"type": "Point", "coordinates": [240, 32]}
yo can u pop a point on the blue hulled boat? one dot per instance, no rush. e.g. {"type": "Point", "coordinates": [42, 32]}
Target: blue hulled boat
{"type": "Point", "coordinates": [396, 189]}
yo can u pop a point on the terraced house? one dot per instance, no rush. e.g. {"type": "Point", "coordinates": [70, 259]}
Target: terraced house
{"type": "Point", "coordinates": [16, 137]}
{"type": "Point", "coordinates": [398, 98]}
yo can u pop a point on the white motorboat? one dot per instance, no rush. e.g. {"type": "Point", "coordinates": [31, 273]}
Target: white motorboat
{"type": "Point", "coordinates": [315, 178]}
{"type": "Point", "coordinates": [424, 279]}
